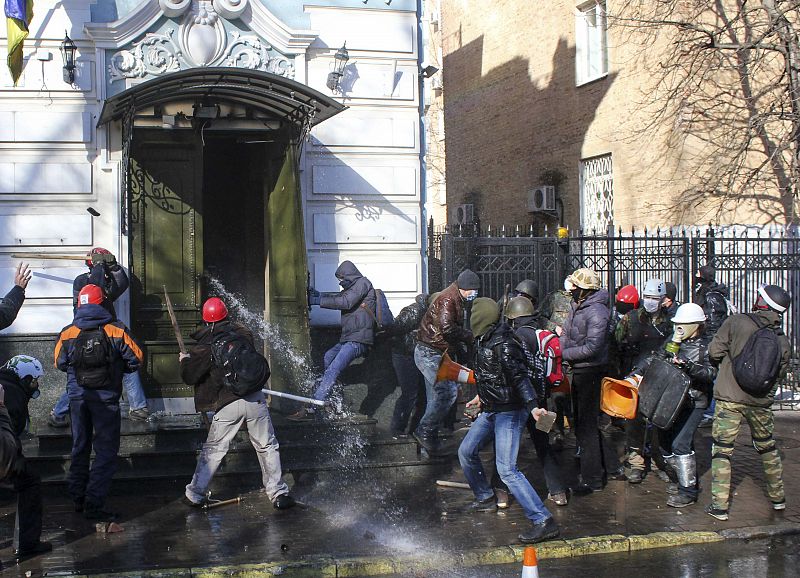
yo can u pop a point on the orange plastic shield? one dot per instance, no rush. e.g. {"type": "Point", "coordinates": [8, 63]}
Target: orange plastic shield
{"type": "Point", "coordinates": [619, 397]}
{"type": "Point", "coordinates": [449, 370]}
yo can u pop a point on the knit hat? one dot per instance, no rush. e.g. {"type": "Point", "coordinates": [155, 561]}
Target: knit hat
{"type": "Point", "coordinates": [484, 316]}
{"type": "Point", "coordinates": [468, 280]}
{"type": "Point", "coordinates": [672, 290]}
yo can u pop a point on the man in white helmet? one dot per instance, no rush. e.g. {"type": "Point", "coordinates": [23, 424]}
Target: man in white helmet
{"type": "Point", "coordinates": [19, 381]}
{"type": "Point", "coordinates": [639, 334]}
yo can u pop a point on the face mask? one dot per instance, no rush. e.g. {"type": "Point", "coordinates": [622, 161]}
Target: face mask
{"type": "Point", "coordinates": [576, 294]}
{"type": "Point", "coordinates": [568, 286]}
{"type": "Point", "coordinates": [684, 331]}
{"type": "Point", "coordinates": [472, 295]}
{"type": "Point", "coordinates": [345, 284]}
{"type": "Point", "coordinates": [651, 304]}
{"type": "Point", "coordinates": [31, 386]}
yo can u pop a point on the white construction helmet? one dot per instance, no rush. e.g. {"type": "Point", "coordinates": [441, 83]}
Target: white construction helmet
{"type": "Point", "coordinates": [654, 288]}
{"type": "Point", "coordinates": [25, 365]}
{"type": "Point", "coordinates": [689, 313]}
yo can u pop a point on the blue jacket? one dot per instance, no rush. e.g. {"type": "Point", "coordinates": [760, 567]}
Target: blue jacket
{"type": "Point", "coordinates": [127, 359]}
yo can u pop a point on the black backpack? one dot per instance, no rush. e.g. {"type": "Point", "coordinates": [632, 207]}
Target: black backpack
{"type": "Point", "coordinates": [92, 358]}
{"type": "Point", "coordinates": [756, 366]}
{"type": "Point", "coordinates": [244, 369]}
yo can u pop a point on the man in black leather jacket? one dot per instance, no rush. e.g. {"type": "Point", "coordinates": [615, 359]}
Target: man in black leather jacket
{"type": "Point", "coordinates": [712, 297]}
{"type": "Point", "coordinates": [505, 398]}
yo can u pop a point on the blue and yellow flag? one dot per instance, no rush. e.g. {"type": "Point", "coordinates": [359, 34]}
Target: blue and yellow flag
{"type": "Point", "coordinates": [19, 14]}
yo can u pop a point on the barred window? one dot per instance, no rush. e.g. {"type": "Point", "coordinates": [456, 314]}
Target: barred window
{"type": "Point", "coordinates": [591, 44]}
{"type": "Point", "coordinates": [597, 194]}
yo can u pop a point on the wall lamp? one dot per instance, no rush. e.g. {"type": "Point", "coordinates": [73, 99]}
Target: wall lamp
{"type": "Point", "coordinates": [68, 50]}
{"type": "Point", "coordinates": [428, 71]}
{"type": "Point", "coordinates": [335, 76]}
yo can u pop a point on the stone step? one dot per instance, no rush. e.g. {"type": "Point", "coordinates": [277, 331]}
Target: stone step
{"type": "Point", "coordinates": [174, 457]}
{"type": "Point", "coordinates": [189, 432]}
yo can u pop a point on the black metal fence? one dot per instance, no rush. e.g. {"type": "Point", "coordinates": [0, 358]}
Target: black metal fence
{"type": "Point", "coordinates": [744, 257]}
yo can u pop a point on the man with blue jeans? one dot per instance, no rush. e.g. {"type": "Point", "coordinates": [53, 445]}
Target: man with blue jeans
{"type": "Point", "coordinates": [505, 398]}
{"type": "Point", "coordinates": [357, 303]}
{"type": "Point", "coordinates": [440, 330]}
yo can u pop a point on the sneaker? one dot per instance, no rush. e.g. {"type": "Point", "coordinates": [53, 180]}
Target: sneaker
{"type": "Point", "coordinates": [487, 505]}
{"type": "Point", "coordinates": [716, 513]}
{"type": "Point", "coordinates": [56, 421]}
{"type": "Point", "coordinates": [540, 532]}
{"type": "Point", "coordinates": [778, 506]}
{"type": "Point", "coordinates": [707, 421]}
{"type": "Point", "coordinates": [559, 498]}
{"type": "Point", "coordinates": [301, 414]}
{"type": "Point", "coordinates": [95, 512]}
{"type": "Point", "coordinates": [284, 502]}
{"type": "Point", "coordinates": [586, 489]}
{"type": "Point", "coordinates": [187, 502]}
{"type": "Point", "coordinates": [502, 498]}
{"type": "Point", "coordinates": [428, 443]}
{"type": "Point", "coordinates": [140, 414]}
{"type": "Point", "coordinates": [28, 552]}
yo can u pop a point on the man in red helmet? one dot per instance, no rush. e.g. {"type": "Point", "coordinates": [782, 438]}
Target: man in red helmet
{"type": "Point", "coordinates": [94, 351]}
{"type": "Point", "coordinates": [206, 368]}
{"type": "Point", "coordinates": [104, 272]}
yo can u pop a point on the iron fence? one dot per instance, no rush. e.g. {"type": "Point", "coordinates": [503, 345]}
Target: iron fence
{"type": "Point", "coordinates": [744, 258]}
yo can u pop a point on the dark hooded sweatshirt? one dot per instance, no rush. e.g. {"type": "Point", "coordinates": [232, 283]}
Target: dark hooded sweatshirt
{"type": "Point", "coordinates": [358, 324]}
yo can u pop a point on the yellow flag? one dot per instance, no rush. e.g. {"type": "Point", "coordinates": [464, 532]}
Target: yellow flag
{"type": "Point", "coordinates": [17, 33]}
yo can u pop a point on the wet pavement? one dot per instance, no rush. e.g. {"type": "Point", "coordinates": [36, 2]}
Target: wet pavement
{"type": "Point", "coordinates": [354, 513]}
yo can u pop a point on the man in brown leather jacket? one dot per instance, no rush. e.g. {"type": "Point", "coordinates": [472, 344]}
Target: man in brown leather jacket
{"type": "Point", "coordinates": [441, 329]}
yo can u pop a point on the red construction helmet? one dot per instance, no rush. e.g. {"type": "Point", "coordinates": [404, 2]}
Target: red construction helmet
{"type": "Point", "coordinates": [214, 310]}
{"type": "Point", "coordinates": [90, 294]}
{"type": "Point", "coordinates": [95, 251]}
{"type": "Point", "coordinates": [628, 294]}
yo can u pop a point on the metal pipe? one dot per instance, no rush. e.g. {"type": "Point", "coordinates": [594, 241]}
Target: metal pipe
{"type": "Point", "coordinates": [446, 484]}
{"type": "Point", "coordinates": [210, 505]}
{"type": "Point", "coordinates": [294, 397]}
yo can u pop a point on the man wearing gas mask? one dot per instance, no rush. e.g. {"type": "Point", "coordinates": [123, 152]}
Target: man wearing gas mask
{"type": "Point", "coordinates": [442, 329]}
{"type": "Point", "coordinates": [638, 334]}
{"type": "Point", "coordinates": [356, 301]}
{"type": "Point", "coordinates": [19, 380]}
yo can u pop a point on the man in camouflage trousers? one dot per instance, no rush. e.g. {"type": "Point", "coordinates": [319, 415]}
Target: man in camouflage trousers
{"type": "Point", "coordinates": [733, 403]}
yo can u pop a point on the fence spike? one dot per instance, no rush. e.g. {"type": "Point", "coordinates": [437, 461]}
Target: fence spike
{"type": "Point", "coordinates": [516, 231]}
{"type": "Point", "coordinates": [489, 231]}
{"type": "Point", "coordinates": [530, 230]}
{"type": "Point", "coordinates": [545, 230]}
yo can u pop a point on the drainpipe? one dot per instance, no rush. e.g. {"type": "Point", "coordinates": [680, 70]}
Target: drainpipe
{"type": "Point", "coordinates": [423, 187]}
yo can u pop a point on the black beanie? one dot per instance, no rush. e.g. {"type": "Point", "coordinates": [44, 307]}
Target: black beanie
{"type": "Point", "coordinates": [468, 280]}
{"type": "Point", "coordinates": [671, 290]}
{"type": "Point", "coordinates": [707, 273]}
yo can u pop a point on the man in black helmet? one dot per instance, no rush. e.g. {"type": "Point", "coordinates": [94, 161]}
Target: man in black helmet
{"type": "Point", "coordinates": [526, 288]}
{"type": "Point", "coordinates": [736, 399]}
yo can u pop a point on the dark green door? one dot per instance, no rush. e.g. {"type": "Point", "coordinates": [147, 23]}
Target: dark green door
{"type": "Point", "coordinates": [167, 249]}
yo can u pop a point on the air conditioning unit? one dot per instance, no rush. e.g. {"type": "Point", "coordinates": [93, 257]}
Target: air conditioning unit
{"type": "Point", "coordinates": [541, 199]}
{"type": "Point", "coordinates": [436, 82]}
{"type": "Point", "coordinates": [465, 214]}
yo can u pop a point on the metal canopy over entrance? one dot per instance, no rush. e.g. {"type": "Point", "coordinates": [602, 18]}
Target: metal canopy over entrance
{"type": "Point", "coordinates": [280, 97]}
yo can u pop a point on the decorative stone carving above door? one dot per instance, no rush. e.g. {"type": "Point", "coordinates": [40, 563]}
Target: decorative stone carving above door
{"type": "Point", "coordinates": [201, 39]}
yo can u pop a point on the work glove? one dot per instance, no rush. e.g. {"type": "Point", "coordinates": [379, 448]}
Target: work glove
{"type": "Point", "coordinates": [313, 296]}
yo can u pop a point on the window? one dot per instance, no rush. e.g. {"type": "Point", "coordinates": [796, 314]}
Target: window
{"type": "Point", "coordinates": [597, 194]}
{"type": "Point", "coordinates": [591, 44]}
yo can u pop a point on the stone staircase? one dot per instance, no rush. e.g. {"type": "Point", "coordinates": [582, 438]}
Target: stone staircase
{"type": "Point", "coordinates": [163, 452]}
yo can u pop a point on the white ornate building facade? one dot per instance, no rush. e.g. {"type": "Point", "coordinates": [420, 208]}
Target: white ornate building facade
{"type": "Point", "coordinates": [206, 135]}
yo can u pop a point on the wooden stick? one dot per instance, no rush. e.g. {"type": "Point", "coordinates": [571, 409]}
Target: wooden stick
{"type": "Point", "coordinates": [49, 256]}
{"type": "Point", "coordinates": [172, 318]}
{"type": "Point", "coordinates": [446, 484]}
{"type": "Point", "coordinates": [210, 505]}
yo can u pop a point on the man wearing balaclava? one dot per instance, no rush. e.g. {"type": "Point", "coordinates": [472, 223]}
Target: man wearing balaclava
{"type": "Point", "coordinates": [505, 398]}
{"type": "Point", "coordinates": [712, 297]}
{"type": "Point", "coordinates": [442, 329]}
{"type": "Point", "coordinates": [639, 333]}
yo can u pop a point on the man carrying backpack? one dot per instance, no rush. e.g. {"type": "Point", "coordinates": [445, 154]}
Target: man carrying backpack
{"type": "Point", "coordinates": [357, 302]}
{"type": "Point", "coordinates": [753, 353]}
{"type": "Point", "coordinates": [228, 374]}
{"type": "Point", "coordinates": [94, 351]}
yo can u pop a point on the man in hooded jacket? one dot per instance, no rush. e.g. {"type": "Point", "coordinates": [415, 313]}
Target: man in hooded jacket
{"type": "Point", "coordinates": [506, 399]}
{"type": "Point", "coordinates": [357, 302]}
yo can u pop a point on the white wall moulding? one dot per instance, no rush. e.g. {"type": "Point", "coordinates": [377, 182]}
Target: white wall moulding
{"type": "Point", "coordinates": [364, 128]}
{"type": "Point", "coordinates": [42, 230]}
{"type": "Point", "coordinates": [45, 178]}
{"type": "Point", "coordinates": [352, 178]}
{"type": "Point", "coordinates": [28, 126]}
{"type": "Point", "coordinates": [368, 30]}
{"type": "Point", "coordinates": [364, 225]}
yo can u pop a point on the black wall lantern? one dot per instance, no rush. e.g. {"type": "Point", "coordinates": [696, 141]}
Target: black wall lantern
{"type": "Point", "coordinates": [68, 50]}
{"type": "Point", "coordinates": [340, 61]}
